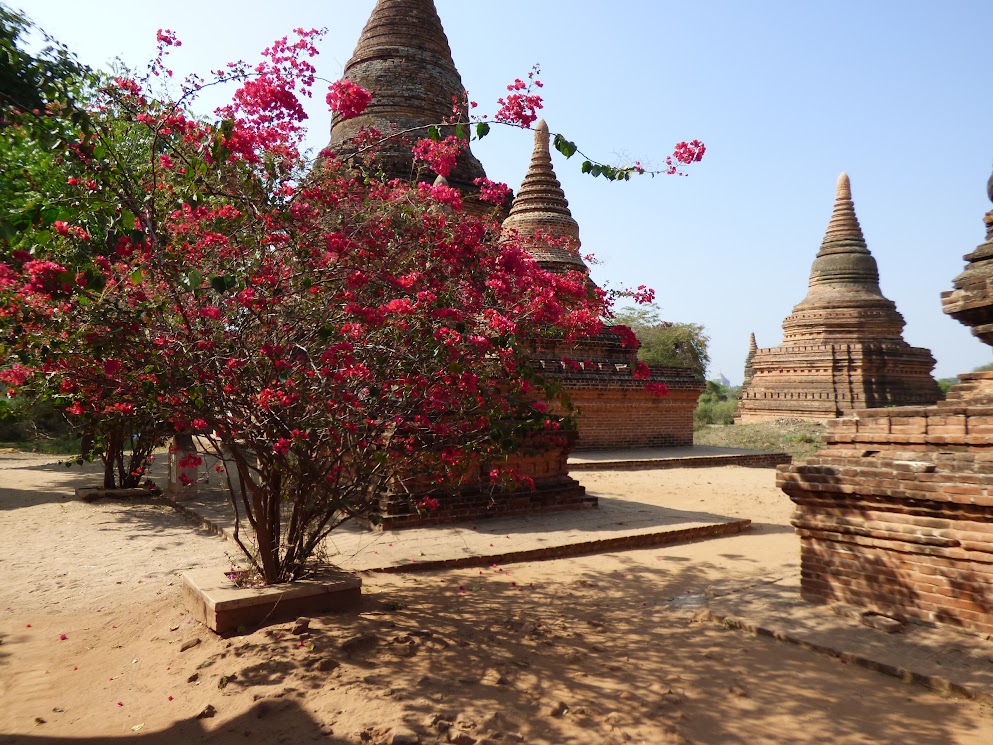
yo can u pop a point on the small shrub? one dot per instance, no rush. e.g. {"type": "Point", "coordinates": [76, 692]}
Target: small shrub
{"type": "Point", "coordinates": [714, 412]}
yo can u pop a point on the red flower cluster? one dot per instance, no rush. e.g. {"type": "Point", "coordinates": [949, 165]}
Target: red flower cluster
{"type": "Point", "coordinates": [348, 99]}
{"type": "Point", "coordinates": [689, 152]}
{"type": "Point", "coordinates": [440, 156]}
{"type": "Point", "coordinates": [428, 504]}
{"type": "Point", "coordinates": [492, 191]}
{"type": "Point", "coordinates": [657, 389]}
{"type": "Point", "coordinates": [628, 337]}
{"type": "Point", "coordinates": [519, 108]}
{"type": "Point", "coordinates": [684, 153]}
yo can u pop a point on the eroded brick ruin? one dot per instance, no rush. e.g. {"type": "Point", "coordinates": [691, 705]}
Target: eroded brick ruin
{"type": "Point", "coordinates": [895, 514]}
{"type": "Point", "coordinates": [843, 346]}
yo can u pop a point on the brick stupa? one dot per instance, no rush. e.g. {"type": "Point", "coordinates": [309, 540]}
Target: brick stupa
{"type": "Point", "coordinates": [614, 409]}
{"type": "Point", "coordinates": [895, 513]}
{"type": "Point", "coordinates": [404, 60]}
{"type": "Point", "coordinates": [843, 346]}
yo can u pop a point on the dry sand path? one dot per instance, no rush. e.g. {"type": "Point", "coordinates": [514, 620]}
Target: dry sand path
{"type": "Point", "coordinates": [596, 649]}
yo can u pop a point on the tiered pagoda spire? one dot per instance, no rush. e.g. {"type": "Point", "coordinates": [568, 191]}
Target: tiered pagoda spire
{"type": "Point", "coordinates": [843, 346]}
{"type": "Point", "coordinates": [844, 277]}
{"type": "Point", "coordinates": [403, 58]}
{"type": "Point", "coordinates": [752, 349]}
{"type": "Point", "coordinates": [541, 207]}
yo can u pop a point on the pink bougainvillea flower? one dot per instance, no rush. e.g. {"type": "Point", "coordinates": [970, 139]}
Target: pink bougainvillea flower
{"type": "Point", "coordinates": [492, 191]}
{"type": "Point", "coordinates": [521, 106]}
{"type": "Point", "coordinates": [348, 99]}
{"type": "Point", "coordinates": [440, 156]}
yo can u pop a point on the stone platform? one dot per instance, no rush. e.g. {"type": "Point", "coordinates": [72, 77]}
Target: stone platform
{"type": "Point", "coordinates": [942, 659]}
{"type": "Point", "coordinates": [696, 456]}
{"type": "Point", "coordinates": [223, 607]}
{"type": "Point", "coordinates": [616, 524]}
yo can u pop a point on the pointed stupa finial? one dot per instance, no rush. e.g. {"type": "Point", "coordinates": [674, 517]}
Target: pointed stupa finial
{"type": "Point", "coordinates": [541, 206]}
{"type": "Point", "coordinates": [749, 359]}
{"type": "Point", "coordinates": [844, 226]}
{"type": "Point", "coordinates": [404, 60]}
{"type": "Point", "coordinates": [541, 138]}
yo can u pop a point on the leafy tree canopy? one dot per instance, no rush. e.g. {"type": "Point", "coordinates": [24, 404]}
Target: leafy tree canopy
{"type": "Point", "coordinates": [664, 343]}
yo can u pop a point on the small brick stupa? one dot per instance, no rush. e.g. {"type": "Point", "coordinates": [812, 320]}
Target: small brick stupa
{"type": "Point", "coordinates": [895, 513]}
{"type": "Point", "coordinates": [843, 346]}
{"type": "Point", "coordinates": [615, 410]}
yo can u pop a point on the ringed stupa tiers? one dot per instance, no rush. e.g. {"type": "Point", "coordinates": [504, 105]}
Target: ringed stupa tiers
{"type": "Point", "coordinates": [541, 207]}
{"type": "Point", "coordinates": [404, 60]}
{"type": "Point", "coordinates": [843, 346]}
{"type": "Point", "coordinates": [614, 409]}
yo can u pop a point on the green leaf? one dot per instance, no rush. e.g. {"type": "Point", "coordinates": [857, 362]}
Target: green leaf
{"type": "Point", "coordinates": [223, 283]}
{"type": "Point", "coordinates": [434, 133]}
{"type": "Point", "coordinates": [461, 132]}
{"type": "Point", "coordinates": [587, 167]}
{"type": "Point", "coordinates": [193, 280]}
{"type": "Point", "coordinates": [137, 277]}
{"type": "Point", "coordinates": [482, 129]}
{"type": "Point", "coordinates": [564, 146]}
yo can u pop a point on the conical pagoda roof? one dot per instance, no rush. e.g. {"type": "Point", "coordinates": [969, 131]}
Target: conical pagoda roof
{"type": "Point", "coordinates": [404, 60]}
{"type": "Point", "coordinates": [541, 207]}
{"type": "Point", "coordinates": [844, 261]}
{"type": "Point", "coordinates": [844, 302]}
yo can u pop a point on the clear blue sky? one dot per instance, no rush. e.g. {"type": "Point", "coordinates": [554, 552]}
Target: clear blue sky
{"type": "Point", "coordinates": [785, 94]}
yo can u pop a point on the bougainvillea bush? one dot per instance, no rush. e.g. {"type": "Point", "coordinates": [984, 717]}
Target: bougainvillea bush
{"type": "Point", "coordinates": [338, 335]}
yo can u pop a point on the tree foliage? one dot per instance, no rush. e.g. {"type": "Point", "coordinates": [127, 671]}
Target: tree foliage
{"type": "Point", "coordinates": [31, 83]}
{"type": "Point", "coordinates": [339, 336]}
{"type": "Point", "coordinates": [336, 336]}
{"type": "Point", "coordinates": [664, 343]}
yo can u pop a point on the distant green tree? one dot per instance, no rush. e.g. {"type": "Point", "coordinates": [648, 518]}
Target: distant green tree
{"type": "Point", "coordinates": [945, 384]}
{"type": "Point", "coordinates": [664, 343]}
{"type": "Point", "coordinates": [30, 83]}
{"type": "Point", "coordinates": [984, 368]}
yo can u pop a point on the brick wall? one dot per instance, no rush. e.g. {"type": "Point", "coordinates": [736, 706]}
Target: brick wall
{"type": "Point", "coordinates": [614, 410]}
{"type": "Point", "coordinates": [895, 514]}
{"type": "Point", "coordinates": [624, 418]}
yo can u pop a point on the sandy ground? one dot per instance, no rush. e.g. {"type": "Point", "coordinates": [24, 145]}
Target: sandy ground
{"type": "Point", "coordinates": [597, 649]}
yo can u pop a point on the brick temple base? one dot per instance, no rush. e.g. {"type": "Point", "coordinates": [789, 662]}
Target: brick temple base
{"type": "Point", "coordinates": [476, 499]}
{"type": "Point", "coordinates": [895, 514]}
